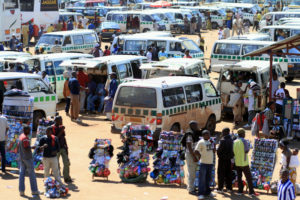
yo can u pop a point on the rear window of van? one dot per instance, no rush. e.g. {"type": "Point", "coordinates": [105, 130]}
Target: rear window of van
{"type": "Point", "coordinates": [137, 97]}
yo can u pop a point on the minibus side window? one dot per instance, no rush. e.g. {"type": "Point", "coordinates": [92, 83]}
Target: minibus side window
{"type": "Point", "coordinates": [124, 71]}
{"type": "Point", "coordinates": [59, 70]}
{"type": "Point", "coordinates": [49, 69]}
{"type": "Point", "coordinates": [173, 97]}
{"type": "Point", "coordinates": [108, 17]}
{"type": "Point", "coordinates": [210, 90]}
{"type": "Point", "coordinates": [193, 93]}
{"type": "Point", "coordinates": [146, 18]}
{"type": "Point", "coordinates": [36, 85]}
{"type": "Point", "coordinates": [229, 49]}
{"type": "Point", "coordinates": [90, 38]}
{"type": "Point", "coordinates": [77, 39]}
{"type": "Point", "coordinates": [67, 41]}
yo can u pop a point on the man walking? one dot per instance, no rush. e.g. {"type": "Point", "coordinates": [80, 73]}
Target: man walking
{"type": "Point", "coordinates": [3, 135]}
{"type": "Point", "coordinates": [59, 132]}
{"type": "Point", "coordinates": [50, 145]}
{"type": "Point", "coordinates": [241, 149]}
{"type": "Point", "coordinates": [113, 86]}
{"type": "Point", "coordinates": [225, 154]}
{"type": "Point", "coordinates": [83, 79]}
{"type": "Point", "coordinates": [192, 137]}
{"type": "Point", "coordinates": [26, 163]}
{"type": "Point", "coordinates": [74, 87]}
{"type": "Point", "coordinates": [199, 23]}
{"type": "Point", "coordinates": [205, 153]}
{"type": "Point", "coordinates": [186, 24]}
{"type": "Point", "coordinates": [193, 24]}
{"type": "Point", "coordinates": [286, 190]}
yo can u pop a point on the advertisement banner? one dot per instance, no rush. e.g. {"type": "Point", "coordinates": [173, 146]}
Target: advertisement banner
{"type": "Point", "coordinates": [49, 5]}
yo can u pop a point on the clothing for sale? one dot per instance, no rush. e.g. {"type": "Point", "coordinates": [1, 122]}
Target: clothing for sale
{"type": "Point", "coordinates": [280, 93]}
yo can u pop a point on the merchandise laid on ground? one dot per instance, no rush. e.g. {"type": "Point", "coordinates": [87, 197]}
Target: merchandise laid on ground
{"type": "Point", "coordinates": [101, 154]}
{"type": "Point", "coordinates": [263, 162]}
{"type": "Point", "coordinates": [134, 160]}
{"type": "Point", "coordinates": [53, 189]}
{"type": "Point", "coordinates": [169, 159]}
{"type": "Point", "coordinates": [38, 155]}
{"type": "Point", "coordinates": [18, 109]}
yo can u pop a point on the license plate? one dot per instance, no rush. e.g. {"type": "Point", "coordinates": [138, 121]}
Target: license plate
{"type": "Point", "coordinates": [111, 30]}
{"type": "Point", "coordinates": [134, 119]}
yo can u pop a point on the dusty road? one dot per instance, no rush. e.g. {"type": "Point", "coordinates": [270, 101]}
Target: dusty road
{"type": "Point", "coordinates": [80, 139]}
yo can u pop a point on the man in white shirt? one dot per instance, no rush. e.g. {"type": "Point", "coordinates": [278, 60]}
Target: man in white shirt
{"type": "Point", "coordinates": [3, 130]}
{"type": "Point", "coordinates": [251, 97]}
{"type": "Point", "coordinates": [279, 96]}
{"type": "Point", "coordinates": [149, 54]}
{"type": "Point", "coordinates": [204, 151]}
{"type": "Point", "coordinates": [275, 85]}
{"type": "Point", "coordinates": [45, 78]}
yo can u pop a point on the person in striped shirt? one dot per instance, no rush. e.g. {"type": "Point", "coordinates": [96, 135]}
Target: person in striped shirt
{"type": "Point", "coordinates": [286, 190]}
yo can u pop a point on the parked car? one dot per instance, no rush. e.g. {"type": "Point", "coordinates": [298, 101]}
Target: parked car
{"type": "Point", "coordinates": [107, 29]}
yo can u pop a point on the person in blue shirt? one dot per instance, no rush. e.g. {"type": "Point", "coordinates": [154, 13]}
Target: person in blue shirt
{"type": "Point", "coordinates": [30, 32]}
{"type": "Point", "coordinates": [91, 93]}
{"type": "Point", "coordinates": [98, 95]}
{"type": "Point", "coordinates": [113, 86]}
{"type": "Point", "coordinates": [91, 26]}
{"type": "Point", "coordinates": [13, 43]}
{"type": "Point", "coordinates": [74, 87]}
{"type": "Point", "coordinates": [70, 25]}
{"type": "Point", "coordinates": [1, 46]}
{"type": "Point", "coordinates": [162, 55]}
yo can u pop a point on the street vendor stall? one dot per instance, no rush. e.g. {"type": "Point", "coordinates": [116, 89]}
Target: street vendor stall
{"type": "Point", "coordinates": [18, 109]}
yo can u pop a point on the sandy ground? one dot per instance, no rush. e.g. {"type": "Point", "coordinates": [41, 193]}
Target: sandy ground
{"type": "Point", "coordinates": [80, 139]}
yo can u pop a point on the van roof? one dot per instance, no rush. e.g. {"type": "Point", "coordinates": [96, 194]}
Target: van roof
{"type": "Point", "coordinates": [45, 56]}
{"type": "Point", "coordinates": [73, 32]}
{"type": "Point", "coordinates": [282, 26]}
{"type": "Point", "coordinates": [165, 82]}
{"type": "Point", "coordinates": [13, 53]}
{"type": "Point", "coordinates": [69, 13]}
{"type": "Point", "coordinates": [245, 42]}
{"type": "Point", "coordinates": [92, 63]}
{"type": "Point", "coordinates": [248, 65]}
{"type": "Point", "coordinates": [15, 75]}
{"type": "Point", "coordinates": [282, 12]}
{"type": "Point", "coordinates": [126, 12]}
{"type": "Point", "coordinates": [172, 64]}
{"type": "Point", "coordinates": [148, 37]}
{"type": "Point", "coordinates": [251, 36]}
{"type": "Point", "coordinates": [235, 5]}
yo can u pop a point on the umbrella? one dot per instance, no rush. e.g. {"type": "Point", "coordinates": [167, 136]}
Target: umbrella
{"type": "Point", "coordinates": [160, 4]}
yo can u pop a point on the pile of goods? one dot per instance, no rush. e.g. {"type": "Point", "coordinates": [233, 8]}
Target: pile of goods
{"type": "Point", "coordinates": [101, 153]}
{"type": "Point", "coordinates": [19, 112]}
{"type": "Point", "coordinates": [134, 160]}
{"type": "Point", "coordinates": [169, 159]}
{"type": "Point", "coordinates": [263, 162]}
{"type": "Point", "coordinates": [54, 189]}
{"type": "Point", "coordinates": [41, 131]}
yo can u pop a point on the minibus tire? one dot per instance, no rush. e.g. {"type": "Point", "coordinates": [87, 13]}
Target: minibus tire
{"type": "Point", "coordinates": [178, 30]}
{"type": "Point", "coordinates": [146, 30]}
{"type": "Point", "coordinates": [214, 25]}
{"type": "Point", "coordinates": [37, 115]}
{"type": "Point", "coordinates": [289, 79]}
{"type": "Point", "coordinates": [211, 124]}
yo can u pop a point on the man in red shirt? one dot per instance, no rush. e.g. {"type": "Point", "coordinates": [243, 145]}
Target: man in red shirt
{"type": "Point", "coordinates": [83, 79]}
{"type": "Point", "coordinates": [26, 163]}
{"type": "Point", "coordinates": [187, 54]}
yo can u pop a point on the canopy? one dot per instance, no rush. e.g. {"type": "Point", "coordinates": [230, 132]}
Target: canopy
{"type": "Point", "coordinates": [160, 4]}
{"type": "Point", "coordinates": [286, 45]}
{"type": "Point", "coordinates": [289, 43]}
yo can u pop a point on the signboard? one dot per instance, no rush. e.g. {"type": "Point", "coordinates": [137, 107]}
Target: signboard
{"type": "Point", "coordinates": [49, 5]}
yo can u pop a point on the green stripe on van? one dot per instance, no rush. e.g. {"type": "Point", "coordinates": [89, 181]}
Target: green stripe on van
{"type": "Point", "coordinates": [230, 57]}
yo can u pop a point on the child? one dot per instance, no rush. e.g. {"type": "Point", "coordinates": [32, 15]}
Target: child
{"type": "Point", "coordinates": [106, 51]}
{"type": "Point", "coordinates": [220, 33]}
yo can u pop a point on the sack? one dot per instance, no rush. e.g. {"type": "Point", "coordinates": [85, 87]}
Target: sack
{"type": "Point", "coordinates": [92, 153]}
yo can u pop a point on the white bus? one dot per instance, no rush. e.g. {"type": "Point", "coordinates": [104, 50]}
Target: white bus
{"type": "Point", "coordinates": [10, 23]}
{"type": "Point", "coordinates": [39, 12]}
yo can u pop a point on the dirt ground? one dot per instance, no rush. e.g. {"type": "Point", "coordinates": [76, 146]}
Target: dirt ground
{"type": "Point", "coordinates": [80, 139]}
